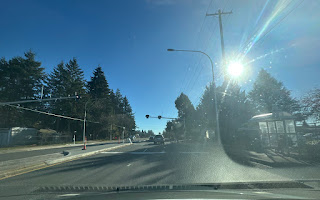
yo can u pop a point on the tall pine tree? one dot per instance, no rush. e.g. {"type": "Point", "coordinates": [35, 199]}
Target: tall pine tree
{"type": "Point", "coordinates": [186, 113]}
{"type": "Point", "coordinates": [67, 79]}
{"type": "Point", "coordinates": [100, 104]}
{"type": "Point", "coordinates": [268, 93]}
{"type": "Point", "coordinates": [21, 78]}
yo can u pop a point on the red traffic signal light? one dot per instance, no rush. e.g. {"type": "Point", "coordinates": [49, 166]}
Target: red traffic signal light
{"type": "Point", "coordinates": [147, 116]}
{"type": "Point", "coordinates": [159, 117]}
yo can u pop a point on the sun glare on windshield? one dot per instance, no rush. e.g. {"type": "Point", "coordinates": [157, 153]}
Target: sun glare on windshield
{"type": "Point", "coordinates": [235, 69]}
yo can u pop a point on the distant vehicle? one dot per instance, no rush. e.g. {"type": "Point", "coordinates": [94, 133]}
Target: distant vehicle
{"type": "Point", "coordinates": [151, 139]}
{"type": "Point", "coordinates": [158, 139]}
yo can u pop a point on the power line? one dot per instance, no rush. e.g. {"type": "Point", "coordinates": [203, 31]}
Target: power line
{"type": "Point", "coordinates": [201, 59]}
{"type": "Point", "coordinates": [51, 114]}
{"type": "Point", "coordinates": [197, 40]}
{"type": "Point", "coordinates": [196, 80]}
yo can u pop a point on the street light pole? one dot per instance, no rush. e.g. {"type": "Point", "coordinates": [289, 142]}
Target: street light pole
{"type": "Point", "coordinates": [214, 90]}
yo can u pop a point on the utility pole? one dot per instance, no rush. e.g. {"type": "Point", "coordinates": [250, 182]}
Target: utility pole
{"type": "Point", "coordinates": [111, 132]}
{"type": "Point", "coordinates": [219, 13]}
{"type": "Point", "coordinates": [123, 133]}
{"type": "Point", "coordinates": [184, 126]}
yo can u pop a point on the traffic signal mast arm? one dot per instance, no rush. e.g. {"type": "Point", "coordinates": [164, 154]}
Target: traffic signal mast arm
{"type": "Point", "coordinates": [159, 117]}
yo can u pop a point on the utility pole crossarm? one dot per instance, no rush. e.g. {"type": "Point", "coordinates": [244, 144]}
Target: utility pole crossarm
{"type": "Point", "coordinates": [221, 13]}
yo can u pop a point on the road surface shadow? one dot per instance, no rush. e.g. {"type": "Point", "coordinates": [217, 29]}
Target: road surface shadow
{"type": "Point", "coordinates": [152, 164]}
{"type": "Point", "coordinates": [267, 158]}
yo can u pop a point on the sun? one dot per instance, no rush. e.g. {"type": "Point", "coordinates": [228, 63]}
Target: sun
{"type": "Point", "coordinates": [235, 69]}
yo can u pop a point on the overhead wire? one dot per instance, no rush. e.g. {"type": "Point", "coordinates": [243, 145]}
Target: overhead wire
{"type": "Point", "coordinates": [197, 40]}
{"type": "Point", "coordinates": [183, 87]}
{"type": "Point", "coordinates": [215, 41]}
{"type": "Point", "coordinates": [51, 114]}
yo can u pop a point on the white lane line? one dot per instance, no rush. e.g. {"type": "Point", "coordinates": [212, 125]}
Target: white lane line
{"type": "Point", "coordinates": [150, 152]}
{"type": "Point", "coordinates": [110, 152]}
{"type": "Point", "coordinates": [68, 195]}
{"type": "Point", "coordinates": [146, 153]}
{"type": "Point", "coordinates": [199, 152]}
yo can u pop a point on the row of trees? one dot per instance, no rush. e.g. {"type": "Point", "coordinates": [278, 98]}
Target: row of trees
{"type": "Point", "coordinates": [236, 107]}
{"type": "Point", "coordinates": [23, 78]}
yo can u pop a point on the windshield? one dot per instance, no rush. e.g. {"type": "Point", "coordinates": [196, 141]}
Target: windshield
{"type": "Point", "coordinates": [88, 88]}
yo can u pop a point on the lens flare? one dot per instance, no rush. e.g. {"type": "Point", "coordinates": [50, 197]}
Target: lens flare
{"type": "Point", "coordinates": [235, 69]}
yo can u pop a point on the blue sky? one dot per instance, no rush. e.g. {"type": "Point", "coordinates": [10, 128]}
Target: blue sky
{"type": "Point", "coordinates": [129, 38]}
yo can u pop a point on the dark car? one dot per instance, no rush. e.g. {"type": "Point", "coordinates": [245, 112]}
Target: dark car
{"type": "Point", "coordinates": [158, 139]}
{"type": "Point", "coordinates": [151, 139]}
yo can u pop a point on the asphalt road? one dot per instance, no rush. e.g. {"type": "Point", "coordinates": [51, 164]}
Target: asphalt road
{"type": "Point", "coordinates": [148, 164]}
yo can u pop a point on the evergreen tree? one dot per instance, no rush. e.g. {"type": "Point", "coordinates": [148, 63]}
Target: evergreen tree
{"type": "Point", "coordinates": [127, 107]}
{"type": "Point", "coordinates": [98, 86]}
{"type": "Point", "coordinates": [100, 104]}
{"type": "Point", "coordinates": [21, 78]}
{"type": "Point", "coordinates": [205, 112]}
{"type": "Point", "coordinates": [113, 101]}
{"type": "Point", "coordinates": [186, 113]}
{"type": "Point", "coordinates": [268, 93]}
{"type": "Point", "coordinates": [66, 80]}
{"type": "Point", "coordinates": [119, 106]}
{"type": "Point", "coordinates": [234, 111]}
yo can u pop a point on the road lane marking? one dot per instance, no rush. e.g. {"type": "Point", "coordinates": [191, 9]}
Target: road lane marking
{"type": "Point", "coordinates": [110, 152]}
{"type": "Point", "coordinates": [151, 152]}
{"type": "Point", "coordinates": [199, 152]}
{"type": "Point", "coordinates": [68, 195]}
{"type": "Point", "coordinates": [146, 153]}
{"type": "Point", "coordinates": [137, 153]}
{"type": "Point", "coordinates": [145, 150]}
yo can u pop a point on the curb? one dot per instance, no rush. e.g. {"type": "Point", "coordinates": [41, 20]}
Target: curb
{"type": "Point", "coordinates": [49, 163]}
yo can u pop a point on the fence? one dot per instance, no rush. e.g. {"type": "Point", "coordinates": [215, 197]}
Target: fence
{"type": "Point", "coordinates": [17, 136]}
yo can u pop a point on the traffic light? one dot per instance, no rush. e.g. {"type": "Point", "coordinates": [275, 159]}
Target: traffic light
{"type": "Point", "coordinates": [147, 116]}
{"type": "Point", "coordinates": [159, 117]}
{"type": "Point", "coordinates": [78, 97]}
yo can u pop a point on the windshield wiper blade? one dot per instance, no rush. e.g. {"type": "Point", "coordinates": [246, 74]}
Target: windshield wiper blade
{"type": "Point", "coordinates": [213, 186]}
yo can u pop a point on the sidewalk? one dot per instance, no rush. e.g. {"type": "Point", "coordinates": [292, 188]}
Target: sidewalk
{"type": "Point", "coordinates": [13, 149]}
{"type": "Point", "coordinates": [274, 159]}
{"type": "Point", "coordinates": [268, 157]}
{"type": "Point", "coordinates": [19, 166]}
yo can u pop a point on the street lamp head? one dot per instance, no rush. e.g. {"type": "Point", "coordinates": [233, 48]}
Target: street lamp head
{"type": "Point", "coordinates": [170, 50]}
